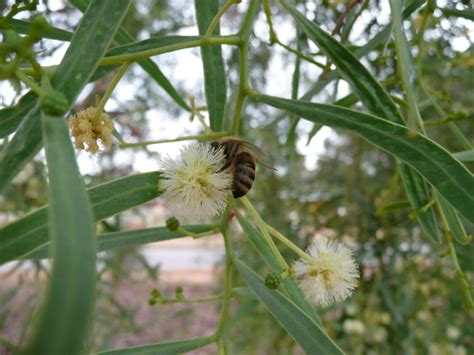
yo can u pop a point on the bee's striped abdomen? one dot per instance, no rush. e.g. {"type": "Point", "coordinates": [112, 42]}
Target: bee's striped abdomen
{"type": "Point", "coordinates": [244, 174]}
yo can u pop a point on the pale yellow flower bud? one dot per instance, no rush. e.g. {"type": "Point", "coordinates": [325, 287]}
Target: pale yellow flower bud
{"type": "Point", "coordinates": [88, 131]}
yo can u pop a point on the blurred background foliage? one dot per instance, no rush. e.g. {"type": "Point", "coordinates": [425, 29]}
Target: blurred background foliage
{"type": "Point", "coordinates": [408, 299]}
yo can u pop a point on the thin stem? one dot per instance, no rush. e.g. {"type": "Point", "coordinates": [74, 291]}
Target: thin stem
{"type": "Point", "coordinates": [133, 57]}
{"type": "Point", "coordinates": [222, 331]}
{"type": "Point", "coordinates": [263, 227]}
{"type": "Point", "coordinates": [197, 235]}
{"type": "Point", "coordinates": [301, 55]}
{"type": "Point", "coordinates": [289, 244]}
{"type": "Point", "coordinates": [30, 83]}
{"type": "Point", "coordinates": [110, 90]}
{"type": "Point", "coordinates": [244, 35]}
{"type": "Point", "coordinates": [210, 135]}
{"type": "Point", "coordinates": [268, 15]}
{"type": "Point", "coordinates": [452, 251]}
{"type": "Point", "coordinates": [191, 300]}
{"type": "Point", "coordinates": [215, 21]}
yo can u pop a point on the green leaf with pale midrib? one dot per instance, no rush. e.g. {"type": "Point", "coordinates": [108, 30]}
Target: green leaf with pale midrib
{"type": "Point", "coordinates": [432, 161]}
{"type": "Point", "coordinates": [378, 102]}
{"type": "Point", "coordinates": [213, 65]}
{"type": "Point", "coordinates": [114, 240]}
{"type": "Point", "coordinates": [307, 333]}
{"type": "Point", "coordinates": [27, 234]}
{"type": "Point", "coordinates": [172, 347]}
{"type": "Point", "coordinates": [71, 286]}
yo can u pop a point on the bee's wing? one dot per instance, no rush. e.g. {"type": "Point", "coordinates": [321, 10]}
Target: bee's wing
{"type": "Point", "coordinates": [258, 153]}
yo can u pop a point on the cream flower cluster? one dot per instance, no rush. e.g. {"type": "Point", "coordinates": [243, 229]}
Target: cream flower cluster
{"type": "Point", "coordinates": [193, 187]}
{"type": "Point", "coordinates": [88, 131]}
{"type": "Point", "coordinates": [331, 274]}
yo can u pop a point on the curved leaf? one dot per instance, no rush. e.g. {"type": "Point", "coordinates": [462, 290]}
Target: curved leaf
{"type": "Point", "coordinates": [114, 240]}
{"type": "Point", "coordinates": [27, 234]}
{"type": "Point", "coordinates": [307, 333]}
{"type": "Point", "coordinates": [172, 347]}
{"type": "Point", "coordinates": [378, 102]}
{"type": "Point", "coordinates": [71, 287]}
{"type": "Point", "coordinates": [432, 161]}
{"type": "Point", "coordinates": [213, 64]}
{"type": "Point", "coordinates": [21, 26]}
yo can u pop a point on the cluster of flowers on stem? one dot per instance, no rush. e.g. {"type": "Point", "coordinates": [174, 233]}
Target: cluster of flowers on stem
{"type": "Point", "coordinates": [88, 129]}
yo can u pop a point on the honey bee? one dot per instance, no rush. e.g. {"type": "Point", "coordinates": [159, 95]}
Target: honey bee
{"type": "Point", "coordinates": [240, 157]}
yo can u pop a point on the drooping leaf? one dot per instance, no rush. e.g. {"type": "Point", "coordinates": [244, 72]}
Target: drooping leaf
{"type": "Point", "coordinates": [213, 63]}
{"type": "Point", "coordinates": [71, 287]}
{"type": "Point", "coordinates": [168, 348]}
{"type": "Point", "coordinates": [307, 333]}
{"type": "Point", "coordinates": [115, 240]}
{"type": "Point", "coordinates": [433, 162]}
{"type": "Point", "coordinates": [378, 102]}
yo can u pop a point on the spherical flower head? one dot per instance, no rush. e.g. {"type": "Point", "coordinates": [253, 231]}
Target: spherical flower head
{"type": "Point", "coordinates": [88, 130]}
{"type": "Point", "coordinates": [330, 276]}
{"type": "Point", "coordinates": [194, 187]}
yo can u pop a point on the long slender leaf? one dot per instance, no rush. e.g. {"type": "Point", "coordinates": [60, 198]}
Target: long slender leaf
{"type": "Point", "coordinates": [88, 45]}
{"type": "Point", "coordinates": [213, 63]}
{"type": "Point", "coordinates": [115, 240]}
{"type": "Point", "coordinates": [25, 27]}
{"type": "Point", "coordinates": [454, 222]}
{"type": "Point", "coordinates": [289, 284]}
{"type": "Point", "coordinates": [168, 348]}
{"type": "Point", "coordinates": [11, 117]}
{"type": "Point", "coordinates": [307, 333]}
{"type": "Point", "coordinates": [432, 161]}
{"type": "Point", "coordinates": [71, 289]}
{"type": "Point", "coordinates": [378, 102]}
{"type": "Point", "coordinates": [150, 43]}
{"type": "Point", "coordinates": [27, 234]}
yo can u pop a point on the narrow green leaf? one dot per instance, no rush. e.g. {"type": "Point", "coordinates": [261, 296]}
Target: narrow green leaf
{"type": "Point", "coordinates": [213, 63]}
{"type": "Point", "coordinates": [289, 284]}
{"type": "Point", "coordinates": [71, 288]}
{"type": "Point", "coordinates": [377, 101]}
{"type": "Point", "coordinates": [168, 348]}
{"type": "Point", "coordinates": [454, 222]}
{"type": "Point", "coordinates": [467, 13]}
{"type": "Point", "coordinates": [432, 161]}
{"type": "Point", "coordinates": [88, 45]}
{"type": "Point", "coordinates": [122, 37]}
{"type": "Point", "coordinates": [467, 155]}
{"type": "Point", "coordinates": [11, 117]}
{"type": "Point", "coordinates": [307, 333]}
{"type": "Point", "coordinates": [25, 27]}
{"type": "Point", "coordinates": [395, 206]}
{"type": "Point", "coordinates": [115, 240]}
{"type": "Point", "coordinates": [27, 234]}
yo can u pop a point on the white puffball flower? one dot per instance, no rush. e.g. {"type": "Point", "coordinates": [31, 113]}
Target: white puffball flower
{"type": "Point", "coordinates": [193, 186]}
{"type": "Point", "coordinates": [330, 276]}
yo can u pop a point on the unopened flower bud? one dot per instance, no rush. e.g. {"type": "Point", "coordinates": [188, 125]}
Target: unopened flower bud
{"type": "Point", "coordinates": [272, 280]}
{"type": "Point", "coordinates": [172, 224]}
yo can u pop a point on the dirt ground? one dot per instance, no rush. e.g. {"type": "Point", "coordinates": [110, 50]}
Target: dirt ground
{"type": "Point", "coordinates": [123, 317]}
